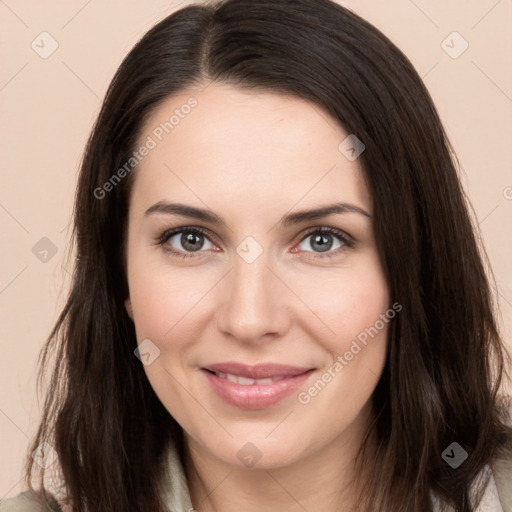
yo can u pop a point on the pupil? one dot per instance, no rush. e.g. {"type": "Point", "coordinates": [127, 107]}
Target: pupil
{"type": "Point", "coordinates": [324, 242]}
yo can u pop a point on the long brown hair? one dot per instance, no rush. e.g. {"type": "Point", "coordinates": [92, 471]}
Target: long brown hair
{"type": "Point", "coordinates": [445, 358]}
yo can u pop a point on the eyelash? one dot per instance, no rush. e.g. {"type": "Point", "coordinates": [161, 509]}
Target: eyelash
{"type": "Point", "coordinates": [343, 237]}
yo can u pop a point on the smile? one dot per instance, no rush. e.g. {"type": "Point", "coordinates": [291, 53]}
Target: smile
{"type": "Point", "coordinates": [254, 387]}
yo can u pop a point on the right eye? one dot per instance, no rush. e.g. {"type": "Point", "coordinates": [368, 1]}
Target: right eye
{"type": "Point", "coordinates": [191, 239]}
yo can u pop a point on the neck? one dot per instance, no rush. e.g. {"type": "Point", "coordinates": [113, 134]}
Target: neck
{"type": "Point", "coordinates": [324, 480]}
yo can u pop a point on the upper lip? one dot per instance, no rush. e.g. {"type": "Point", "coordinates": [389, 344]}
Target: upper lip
{"type": "Point", "coordinates": [257, 371]}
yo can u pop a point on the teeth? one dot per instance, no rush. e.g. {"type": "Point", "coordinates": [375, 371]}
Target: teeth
{"type": "Point", "coordinates": [232, 378]}
{"type": "Point", "coordinates": [245, 381]}
{"type": "Point", "coordinates": [265, 381]}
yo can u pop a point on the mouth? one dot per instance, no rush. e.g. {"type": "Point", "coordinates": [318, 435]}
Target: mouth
{"type": "Point", "coordinates": [255, 387]}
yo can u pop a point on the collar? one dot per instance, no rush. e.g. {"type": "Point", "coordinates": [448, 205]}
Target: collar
{"type": "Point", "coordinates": [174, 483]}
{"type": "Point", "coordinates": [490, 501]}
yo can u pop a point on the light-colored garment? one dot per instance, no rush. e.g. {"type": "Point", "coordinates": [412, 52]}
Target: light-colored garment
{"type": "Point", "coordinates": [177, 496]}
{"type": "Point", "coordinates": [490, 501]}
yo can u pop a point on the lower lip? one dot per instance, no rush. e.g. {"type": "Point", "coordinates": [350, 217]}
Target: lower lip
{"type": "Point", "coordinates": [255, 396]}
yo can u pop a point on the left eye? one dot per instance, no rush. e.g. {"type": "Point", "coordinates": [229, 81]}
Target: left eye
{"type": "Point", "coordinates": [324, 240]}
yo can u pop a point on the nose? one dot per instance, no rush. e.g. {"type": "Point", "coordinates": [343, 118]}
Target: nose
{"type": "Point", "coordinates": [253, 302]}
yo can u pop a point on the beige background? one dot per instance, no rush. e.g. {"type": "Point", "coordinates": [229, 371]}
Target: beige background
{"type": "Point", "coordinates": [48, 107]}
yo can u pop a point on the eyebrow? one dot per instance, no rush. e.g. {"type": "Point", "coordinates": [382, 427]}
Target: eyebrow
{"type": "Point", "coordinates": [287, 220]}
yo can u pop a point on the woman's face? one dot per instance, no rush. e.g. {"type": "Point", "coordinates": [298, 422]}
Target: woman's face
{"type": "Point", "coordinates": [263, 337]}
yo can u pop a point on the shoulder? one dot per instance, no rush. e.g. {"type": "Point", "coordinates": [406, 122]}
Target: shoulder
{"type": "Point", "coordinates": [501, 465]}
{"type": "Point", "coordinates": [502, 472]}
{"type": "Point", "coordinates": [27, 501]}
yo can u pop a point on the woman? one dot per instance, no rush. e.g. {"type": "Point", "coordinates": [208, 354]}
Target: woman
{"type": "Point", "coordinates": [279, 301]}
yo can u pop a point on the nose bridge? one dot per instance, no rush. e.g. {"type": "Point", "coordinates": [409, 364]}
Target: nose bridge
{"type": "Point", "coordinates": [252, 305]}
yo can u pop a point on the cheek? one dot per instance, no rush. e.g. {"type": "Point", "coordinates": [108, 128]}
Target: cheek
{"type": "Point", "coordinates": [360, 320]}
{"type": "Point", "coordinates": [346, 302]}
{"type": "Point", "coordinates": [163, 298]}
{"type": "Point", "coordinates": [167, 306]}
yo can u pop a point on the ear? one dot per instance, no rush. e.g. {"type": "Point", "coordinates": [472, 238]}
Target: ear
{"type": "Point", "coordinates": [128, 306]}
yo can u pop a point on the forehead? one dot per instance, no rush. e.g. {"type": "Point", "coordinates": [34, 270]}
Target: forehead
{"type": "Point", "coordinates": [223, 142]}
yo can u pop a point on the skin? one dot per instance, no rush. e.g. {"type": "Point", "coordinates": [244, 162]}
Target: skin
{"type": "Point", "coordinates": [252, 157]}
